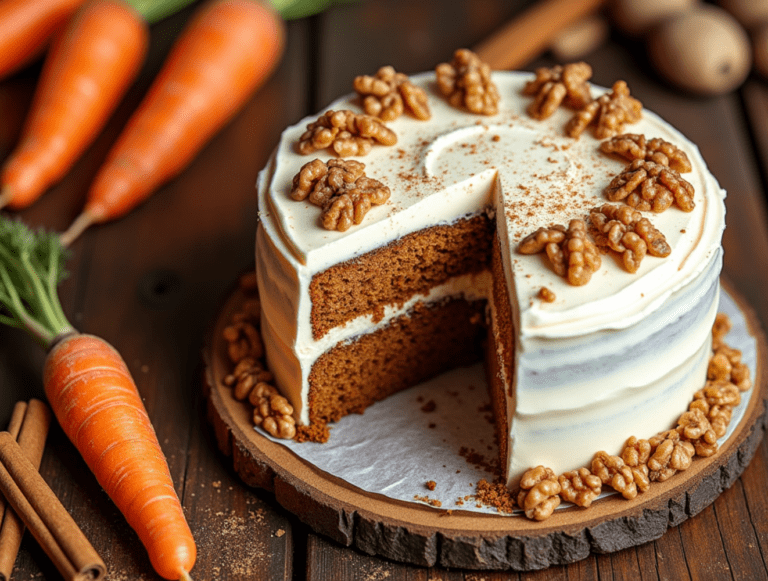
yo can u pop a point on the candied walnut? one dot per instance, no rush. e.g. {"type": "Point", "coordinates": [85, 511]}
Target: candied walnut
{"type": "Point", "coordinates": [320, 180]}
{"type": "Point", "coordinates": [670, 455]}
{"type": "Point", "coordinates": [272, 411]}
{"type": "Point", "coordinates": [341, 188]}
{"type": "Point", "coordinates": [561, 84]}
{"type": "Point", "coordinates": [720, 329]}
{"type": "Point", "coordinates": [571, 253]}
{"type": "Point", "coordinates": [627, 232]}
{"type": "Point", "coordinates": [539, 493]}
{"type": "Point", "coordinates": [546, 295]}
{"type": "Point", "coordinates": [608, 113]}
{"type": "Point", "coordinates": [635, 455]}
{"type": "Point", "coordinates": [576, 257]}
{"type": "Point", "coordinates": [719, 392]}
{"type": "Point", "coordinates": [388, 93]}
{"type": "Point", "coordinates": [345, 133]}
{"type": "Point", "coordinates": [634, 146]}
{"type": "Point", "coordinates": [341, 212]}
{"type": "Point", "coordinates": [538, 241]}
{"type": "Point", "coordinates": [694, 426]}
{"type": "Point", "coordinates": [580, 487]}
{"type": "Point", "coordinates": [740, 376]}
{"type": "Point", "coordinates": [466, 82]}
{"type": "Point", "coordinates": [614, 472]}
{"type": "Point", "coordinates": [719, 367]}
{"type": "Point", "coordinates": [242, 335]}
{"type": "Point", "coordinates": [648, 186]}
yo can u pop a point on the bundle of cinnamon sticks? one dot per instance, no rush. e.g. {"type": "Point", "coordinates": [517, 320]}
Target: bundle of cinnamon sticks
{"type": "Point", "coordinates": [28, 501]}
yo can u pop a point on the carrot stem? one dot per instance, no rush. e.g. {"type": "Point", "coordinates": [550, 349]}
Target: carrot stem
{"type": "Point", "coordinates": [78, 226]}
{"type": "Point", "coordinates": [156, 10]}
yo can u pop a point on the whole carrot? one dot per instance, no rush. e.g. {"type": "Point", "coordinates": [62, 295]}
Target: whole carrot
{"type": "Point", "coordinates": [88, 69]}
{"type": "Point", "coordinates": [226, 51]}
{"type": "Point", "coordinates": [95, 399]}
{"type": "Point", "coordinates": [27, 27]}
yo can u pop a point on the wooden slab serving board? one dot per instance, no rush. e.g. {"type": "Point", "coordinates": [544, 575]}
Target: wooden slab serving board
{"type": "Point", "coordinates": [422, 535]}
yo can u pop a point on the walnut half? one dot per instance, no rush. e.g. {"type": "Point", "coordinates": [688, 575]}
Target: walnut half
{"type": "Point", "coordinates": [634, 146]}
{"type": "Point", "coordinates": [608, 113]}
{"type": "Point", "coordinates": [345, 133]}
{"type": "Point", "coordinates": [572, 254]}
{"type": "Point", "coordinates": [341, 188]}
{"type": "Point", "coordinates": [561, 84]}
{"type": "Point", "coordinates": [648, 186]}
{"type": "Point", "coordinates": [627, 232]}
{"type": "Point", "coordinates": [388, 93]}
{"type": "Point", "coordinates": [466, 82]}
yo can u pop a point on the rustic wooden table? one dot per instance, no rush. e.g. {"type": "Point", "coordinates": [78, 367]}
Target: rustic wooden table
{"type": "Point", "coordinates": [152, 283]}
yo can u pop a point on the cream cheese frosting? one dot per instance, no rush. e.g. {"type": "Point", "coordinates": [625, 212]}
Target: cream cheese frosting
{"type": "Point", "coordinates": [579, 358]}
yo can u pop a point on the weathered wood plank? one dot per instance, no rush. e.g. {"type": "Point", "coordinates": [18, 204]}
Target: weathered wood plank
{"type": "Point", "coordinates": [739, 539]}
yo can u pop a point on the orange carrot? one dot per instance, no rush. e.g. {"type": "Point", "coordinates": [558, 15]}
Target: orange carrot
{"type": "Point", "coordinates": [27, 26]}
{"type": "Point", "coordinates": [96, 402]}
{"type": "Point", "coordinates": [89, 68]}
{"type": "Point", "coordinates": [227, 50]}
{"type": "Point", "coordinates": [95, 399]}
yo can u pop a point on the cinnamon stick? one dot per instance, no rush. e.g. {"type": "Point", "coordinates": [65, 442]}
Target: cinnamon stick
{"type": "Point", "coordinates": [45, 517]}
{"type": "Point", "coordinates": [29, 426]}
{"type": "Point", "coordinates": [531, 33]}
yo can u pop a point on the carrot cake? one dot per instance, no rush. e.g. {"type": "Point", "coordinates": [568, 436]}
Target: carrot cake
{"type": "Point", "coordinates": [506, 228]}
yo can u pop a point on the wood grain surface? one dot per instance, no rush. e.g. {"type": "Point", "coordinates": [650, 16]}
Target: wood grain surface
{"type": "Point", "coordinates": [152, 283]}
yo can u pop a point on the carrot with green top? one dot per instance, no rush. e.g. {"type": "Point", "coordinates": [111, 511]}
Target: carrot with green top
{"type": "Point", "coordinates": [88, 69]}
{"type": "Point", "coordinates": [27, 27]}
{"type": "Point", "coordinates": [95, 399]}
{"type": "Point", "coordinates": [226, 51]}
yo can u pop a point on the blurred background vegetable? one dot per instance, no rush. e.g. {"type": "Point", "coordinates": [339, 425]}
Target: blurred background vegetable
{"type": "Point", "coordinates": [27, 27]}
{"type": "Point", "coordinates": [87, 71]}
{"type": "Point", "coordinates": [223, 55]}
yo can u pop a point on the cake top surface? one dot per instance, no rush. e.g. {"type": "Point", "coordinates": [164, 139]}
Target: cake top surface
{"type": "Point", "coordinates": [530, 174]}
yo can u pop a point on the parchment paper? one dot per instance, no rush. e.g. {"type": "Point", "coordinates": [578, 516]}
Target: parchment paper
{"type": "Point", "coordinates": [397, 445]}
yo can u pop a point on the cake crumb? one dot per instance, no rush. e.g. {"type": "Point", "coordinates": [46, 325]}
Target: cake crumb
{"type": "Point", "coordinates": [495, 495]}
{"type": "Point", "coordinates": [546, 295]}
{"type": "Point", "coordinates": [430, 406]}
{"type": "Point", "coordinates": [431, 484]}
{"type": "Point", "coordinates": [430, 501]}
{"type": "Point", "coordinates": [279, 533]}
{"type": "Point", "coordinates": [315, 433]}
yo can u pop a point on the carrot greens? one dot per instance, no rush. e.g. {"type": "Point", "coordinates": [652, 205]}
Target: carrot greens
{"type": "Point", "coordinates": [31, 267]}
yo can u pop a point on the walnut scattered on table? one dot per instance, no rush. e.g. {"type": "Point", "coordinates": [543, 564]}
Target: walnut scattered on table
{"type": "Point", "coordinates": [466, 82]}
{"type": "Point", "coordinates": [625, 231]}
{"type": "Point", "coordinates": [345, 133]}
{"type": "Point", "coordinates": [580, 487]}
{"type": "Point", "coordinates": [608, 113]}
{"type": "Point", "coordinates": [572, 254]}
{"type": "Point", "coordinates": [649, 186]}
{"type": "Point", "coordinates": [539, 493]}
{"type": "Point", "coordinates": [634, 146]}
{"type": "Point", "coordinates": [562, 84]}
{"type": "Point", "coordinates": [341, 188]}
{"type": "Point", "coordinates": [388, 93]}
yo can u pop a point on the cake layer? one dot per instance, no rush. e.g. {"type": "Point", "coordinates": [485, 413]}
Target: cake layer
{"type": "Point", "coordinates": [414, 264]}
{"type": "Point", "coordinates": [427, 340]}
